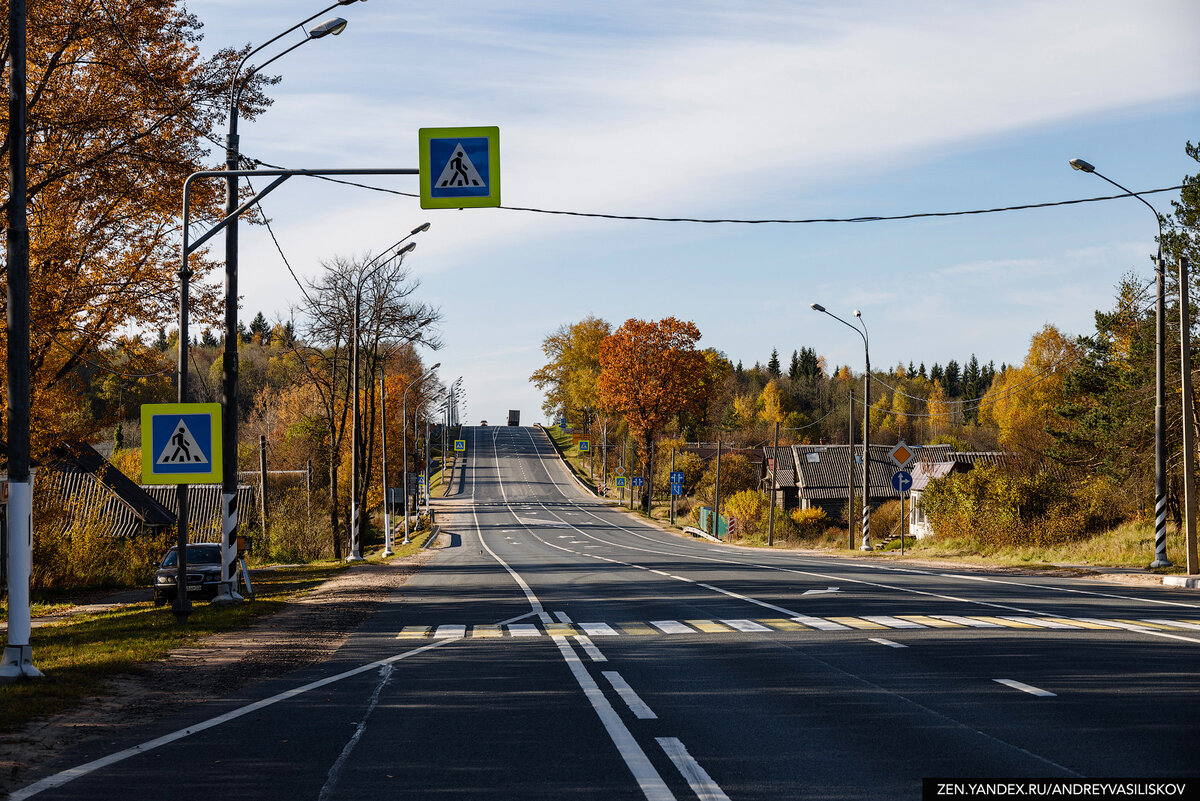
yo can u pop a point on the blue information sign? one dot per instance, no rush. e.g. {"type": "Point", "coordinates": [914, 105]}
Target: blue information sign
{"type": "Point", "coordinates": [901, 480]}
{"type": "Point", "coordinates": [584, 446]}
{"type": "Point", "coordinates": [676, 476]}
{"type": "Point", "coordinates": [639, 481]}
{"type": "Point", "coordinates": [676, 489]}
{"type": "Point", "coordinates": [619, 481]}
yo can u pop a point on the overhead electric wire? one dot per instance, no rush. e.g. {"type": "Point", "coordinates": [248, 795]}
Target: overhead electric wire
{"type": "Point", "coordinates": [764, 221]}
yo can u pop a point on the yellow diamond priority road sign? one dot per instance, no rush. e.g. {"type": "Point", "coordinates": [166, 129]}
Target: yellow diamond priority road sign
{"type": "Point", "coordinates": [901, 454]}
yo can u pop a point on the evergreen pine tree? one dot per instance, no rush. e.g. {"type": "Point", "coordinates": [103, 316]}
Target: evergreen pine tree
{"type": "Point", "coordinates": [773, 364]}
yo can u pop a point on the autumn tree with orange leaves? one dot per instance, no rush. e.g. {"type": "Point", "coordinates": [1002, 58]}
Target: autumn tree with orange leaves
{"type": "Point", "coordinates": [121, 109]}
{"type": "Point", "coordinates": [650, 372]}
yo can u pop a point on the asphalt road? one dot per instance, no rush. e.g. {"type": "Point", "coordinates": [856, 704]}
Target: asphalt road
{"type": "Point", "coordinates": [562, 649]}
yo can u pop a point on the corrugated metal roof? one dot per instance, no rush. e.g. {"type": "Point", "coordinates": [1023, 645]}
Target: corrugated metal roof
{"type": "Point", "coordinates": [784, 467]}
{"type": "Point", "coordinates": [204, 507]}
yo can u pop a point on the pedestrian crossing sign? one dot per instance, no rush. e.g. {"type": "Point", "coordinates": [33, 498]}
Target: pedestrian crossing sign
{"type": "Point", "coordinates": [181, 443]}
{"type": "Point", "coordinates": [460, 445]}
{"type": "Point", "coordinates": [460, 167]}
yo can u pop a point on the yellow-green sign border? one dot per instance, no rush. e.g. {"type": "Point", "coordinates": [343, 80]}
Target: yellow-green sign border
{"type": "Point", "coordinates": [215, 472]}
{"type": "Point", "coordinates": [492, 199]}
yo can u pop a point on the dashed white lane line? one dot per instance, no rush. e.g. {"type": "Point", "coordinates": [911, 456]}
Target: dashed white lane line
{"type": "Point", "coordinates": [1025, 688]}
{"type": "Point", "coordinates": [697, 777]}
{"type": "Point", "coordinates": [888, 643]}
{"type": "Point", "coordinates": [632, 700]}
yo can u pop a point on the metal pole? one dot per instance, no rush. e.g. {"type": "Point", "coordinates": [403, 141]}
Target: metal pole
{"type": "Point", "coordinates": [866, 515]}
{"type": "Point", "coordinates": [717, 501]}
{"type": "Point", "coordinates": [355, 533]}
{"type": "Point", "coordinates": [673, 450]}
{"type": "Point", "coordinates": [773, 467]}
{"type": "Point", "coordinates": [182, 605]}
{"type": "Point", "coordinates": [18, 653]}
{"type": "Point", "coordinates": [404, 448]}
{"type": "Point", "coordinates": [262, 499]}
{"type": "Point", "coordinates": [387, 507]}
{"type": "Point", "coordinates": [850, 496]}
{"type": "Point", "coordinates": [1189, 434]}
{"type": "Point", "coordinates": [1160, 380]}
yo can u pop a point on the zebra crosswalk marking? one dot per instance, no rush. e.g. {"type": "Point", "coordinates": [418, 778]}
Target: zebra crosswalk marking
{"type": "Point", "coordinates": [709, 626]}
{"type": "Point", "coordinates": [798, 624]}
{"type": "Point", "coordinates": [409, 632]}
{"type": "Point", "coordinates": [856, 623]}
{"type": "Point", "coordinates": [931, 622]}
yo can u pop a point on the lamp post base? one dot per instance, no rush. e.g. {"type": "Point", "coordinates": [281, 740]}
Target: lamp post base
{"type": "Point", "coordinates": [18, 663]}
{"type": "Point", "coordinates": [354, 558]}
{"type": "Point", "coordinates": [1161, 561]}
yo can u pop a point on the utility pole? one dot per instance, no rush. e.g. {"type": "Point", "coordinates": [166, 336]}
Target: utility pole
{"type": "Point", "coordinates": [850, 458]}
{"type": "Point", "coordinates": [1189, 434]}
{"type": "Point", "coordinates": [18, 654]}
{"type": "Point", "coordinates": [774, 465]}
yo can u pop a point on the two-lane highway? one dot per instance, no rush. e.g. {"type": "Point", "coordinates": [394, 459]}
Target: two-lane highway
{"type": "Point", "coordinates": [562, 648]}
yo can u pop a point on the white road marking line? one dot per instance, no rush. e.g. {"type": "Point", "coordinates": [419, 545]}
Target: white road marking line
{"type": "Point", "coordinates": [888, 643]}
{"type": "Point", "coordinates": [449, 631]}
{"type": "Point", "coordinates": [763, 604]}
{"type": "Point", "coordinates": [661, 573]}
{"type": "Point", "coordinates": [636, 705]}
{"type": "Point", "coordinates": [59, 779]}
{"type": "Point", "coordinates": [1025, 688]}
{"type": "Point", "coordinates": [598, 630]}
{"type": "Point", "coordinates": [590, 648]}
{"type": "Point", "coordinates": [1177, 623]}
{"type": "Point", "coordinates": [697, 778]}
{"type": "Point", "coordinates": [563, 617]}
{"type": "Point", "coordinates": [648, 779]}
{"type": "Point", "coordinates": [819, 623]}
{"type": "Point", "coordinates": [335, 772]}
{"type": "Point", "coordinates": [745, 625]}
{"type": "Point", "coordinates": [524, 630]}
{"type": "Point", "coordinates": [892, 622]}
{"type": "Point", "coordinates": [672, 627]}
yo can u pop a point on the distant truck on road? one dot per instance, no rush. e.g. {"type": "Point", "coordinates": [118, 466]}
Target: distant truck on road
{"type": "Point", "coordinates": [514, 417]}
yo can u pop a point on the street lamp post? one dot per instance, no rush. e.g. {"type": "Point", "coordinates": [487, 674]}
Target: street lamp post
{"type": "Point", "coordinates": [229, 362]}
{"type": "Point", "coordinates": [866, 471]}
{"type": "Point", "coordinates": [388, 539]}
{"type": "Point", "coordinates": [404, 439]}
{"type": "Point", "coordinates": [355, 433]}
{"type": "Point", "coordinates": [1160, 380]}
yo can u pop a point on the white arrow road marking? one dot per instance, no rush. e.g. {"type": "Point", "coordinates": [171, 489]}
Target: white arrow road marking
{"type": "Point", "coordinates": [820, 592]}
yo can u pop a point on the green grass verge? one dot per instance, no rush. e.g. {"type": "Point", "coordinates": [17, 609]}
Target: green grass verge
{"type": "Point", "coordinates": [80, 653]}
{"type": "Point", "coordinates": [564, 443]}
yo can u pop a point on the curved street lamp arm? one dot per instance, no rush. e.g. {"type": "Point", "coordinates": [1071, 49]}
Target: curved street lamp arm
{"type": "Point", "coordinates": [1146, 203]}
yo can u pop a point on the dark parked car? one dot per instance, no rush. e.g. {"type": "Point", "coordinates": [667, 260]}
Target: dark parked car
{"type": "Point", "coordinates": [203, 573]}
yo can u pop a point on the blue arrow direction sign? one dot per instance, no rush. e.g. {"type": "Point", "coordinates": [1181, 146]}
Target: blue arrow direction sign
{"type": "Point", "coordinates": [460, 167]}
{"type": "Point", "coordinates": [639, 481]}
{"type": "Point", "coordinates": [676, 489]}
{"type": "Point", "coordinates": [676, 476]}
{"type": "Point", "coordinates": [181, 443]}
{"type": "Point", "coordinates": [901, 480]}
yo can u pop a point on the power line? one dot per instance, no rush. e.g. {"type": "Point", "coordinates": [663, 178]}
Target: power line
{"type": "Point", "coordinates": [765, 221]}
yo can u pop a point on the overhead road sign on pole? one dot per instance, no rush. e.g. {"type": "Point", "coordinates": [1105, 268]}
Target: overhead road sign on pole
{"type": "Point", "coordinates": [181, 443]}
{"type": "Point", "coordinates": [460, 167]}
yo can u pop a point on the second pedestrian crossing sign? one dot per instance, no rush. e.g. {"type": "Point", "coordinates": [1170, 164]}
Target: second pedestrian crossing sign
{"type": "Point", "coordinates": [181, 443]}
{"type": "Point", "coordinates": [460, 167]}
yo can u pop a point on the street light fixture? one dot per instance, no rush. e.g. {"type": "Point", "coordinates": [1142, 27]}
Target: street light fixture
{"type": "Point", "coordinates": [404, 439]}
{"type": "Point", "coordinates": [355, 435]}
{"type": "Point", "coordinates": [229, 361]}
{"type": "Point", "coordinates": [866, 471]}
{"type": "Point", "coordinates": [1160, 381]}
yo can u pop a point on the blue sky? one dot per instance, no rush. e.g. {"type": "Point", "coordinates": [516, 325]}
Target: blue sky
{"type": "Point", "coordinates": [736, 110]}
